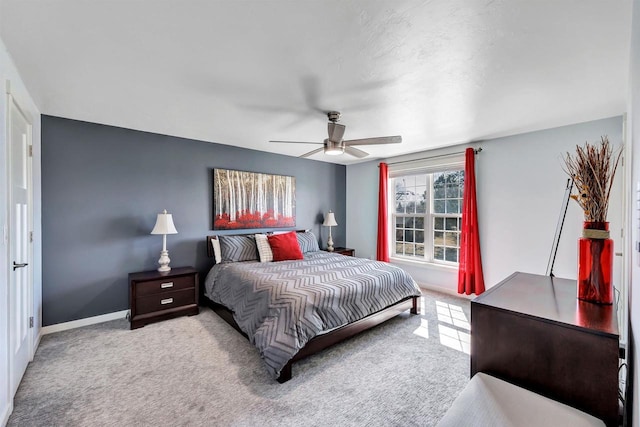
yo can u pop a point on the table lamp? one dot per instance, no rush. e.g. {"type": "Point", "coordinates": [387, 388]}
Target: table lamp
{"type": "Point", "coordinates": [164, 225]}
{"type": "Point", "coordinates": [330, 221]}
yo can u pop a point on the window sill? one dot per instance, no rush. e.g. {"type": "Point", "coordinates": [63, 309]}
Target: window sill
{"type": "Point", "coordinates": [415, 263]}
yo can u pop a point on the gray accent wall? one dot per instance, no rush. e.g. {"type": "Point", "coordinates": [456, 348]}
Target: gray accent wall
{"type": "Point", "coordinates": [102, 187]}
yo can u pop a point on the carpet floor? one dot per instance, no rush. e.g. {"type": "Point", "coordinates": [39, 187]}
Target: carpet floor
{"type": "Point", "coordinates": [198, 370]}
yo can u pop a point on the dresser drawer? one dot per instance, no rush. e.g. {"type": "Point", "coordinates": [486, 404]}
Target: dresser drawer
{"type": "Point", "coordinates": [165, 300]}
{"type": "Point", "coordinates": [163, 286]}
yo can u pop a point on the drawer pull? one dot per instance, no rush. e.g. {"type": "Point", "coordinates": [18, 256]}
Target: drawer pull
{"type": "Point", "coordinates": [166, 301]}
{"type": "Point", "coordinates": [166, 285]}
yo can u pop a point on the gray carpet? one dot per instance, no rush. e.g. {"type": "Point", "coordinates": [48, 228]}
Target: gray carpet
{"type": "Point", "coordinates": [199, 371]}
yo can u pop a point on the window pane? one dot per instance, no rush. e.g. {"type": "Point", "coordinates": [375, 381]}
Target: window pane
{"type": "Point", "coordinates": [438, 191]}
{"type": "Point", "coordinates": [438, 206]}
{"type": "Point", "coordinates": [408, 222]}
{"type": "Point", "coordinates": [451, 239]}
{"type": "Point", "coordinates": [399, 207]}
{"type": "Point", "coordinates": [408, 236]}
{"type": "Point", "coordinates": [408, 181]}
{"type": "Point", "coordinates": [438, 178]}
{"type": "Point", "coordinates": [419, 236]}
{"type": "Point", "coordinates": [439, 223]}
{"type": "Point", "coordinates": [409, 249]}
{"type": "Point", "coordinates": [451, 224]}
{"type": "Point", "coordinates": [420, 250]}
{"type": "Point", "coordinates": [438, 238]}
{"type": "Point", "coordinates": [451, 254]}
{"type": "Point", "coordinates": [421, 207]}
{"type": "Point", "coordinates": [399, 221]}
{"type": "Point", "coordinates": [399, 248]}
{"type": "Point", "coordinates": [453, 206]}
{"type": "Point", "coordinates": [420, 223]}
{"type": "Point", "coordinates": [452, 191]}
{"type": "Point", "coordinates": [438, 253]}
{"type": "Point", "coordinates": [399, 234]}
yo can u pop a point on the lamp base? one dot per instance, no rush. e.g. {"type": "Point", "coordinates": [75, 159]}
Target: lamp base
{"type": "Point", "coordinates": [330, 244]}
{"type": "Point", "coordinates": [164, 262]}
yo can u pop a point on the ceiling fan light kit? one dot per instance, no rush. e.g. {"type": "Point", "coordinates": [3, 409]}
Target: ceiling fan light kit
{"type": "Point", "coordinates": [334, 145]}
{"type": "Point", "coordinates": [333, 148]}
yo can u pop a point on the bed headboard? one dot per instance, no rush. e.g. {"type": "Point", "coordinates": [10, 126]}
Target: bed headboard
{"type": "Point", "coordinates": [210, 246]}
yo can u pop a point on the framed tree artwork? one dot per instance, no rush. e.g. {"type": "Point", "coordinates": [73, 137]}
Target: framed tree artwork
{"type": "Point", "coordinates": [246, 200]}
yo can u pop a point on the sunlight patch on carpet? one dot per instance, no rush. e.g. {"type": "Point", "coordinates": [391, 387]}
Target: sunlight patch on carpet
{"type": "Point", "coordinates": [423, 329]}
{"type": "Point", "coordinates": [453, 327]}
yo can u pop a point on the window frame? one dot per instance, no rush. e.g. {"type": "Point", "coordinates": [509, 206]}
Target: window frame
{"type": "Point", "coordinates": [428, 168]}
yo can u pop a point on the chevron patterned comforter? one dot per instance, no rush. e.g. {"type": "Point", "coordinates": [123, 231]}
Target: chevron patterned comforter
{"type": "Point", "coordinates": [282, 305]}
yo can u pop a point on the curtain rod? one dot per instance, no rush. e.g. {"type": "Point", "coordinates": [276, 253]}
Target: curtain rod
{"type": "Point", "coordinates": [475, 151]}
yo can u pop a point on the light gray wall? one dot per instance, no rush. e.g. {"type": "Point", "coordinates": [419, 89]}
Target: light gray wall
{"type": "Point", "coordinates": [520, 185]}
{"type": "Point", "coordinates": [102, 189]}
{"type": "Point", "coordinates": [633, 136]}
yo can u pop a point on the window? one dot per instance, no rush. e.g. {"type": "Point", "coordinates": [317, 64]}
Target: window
{"type": "Point", "coordinates": [427, 214]}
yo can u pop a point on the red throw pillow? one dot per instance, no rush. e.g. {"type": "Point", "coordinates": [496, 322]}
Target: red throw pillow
{"type": "Point", "coordinates": [285, 246]}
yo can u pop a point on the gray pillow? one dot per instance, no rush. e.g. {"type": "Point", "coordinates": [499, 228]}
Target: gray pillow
{"type": "Point", "coordinates": [238, 248]}
{"type": "Point", "coordinates": [308, 242]}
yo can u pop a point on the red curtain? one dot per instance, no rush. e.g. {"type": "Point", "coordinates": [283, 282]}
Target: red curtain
{"type": "Point", "coordinates": [470, 278]}
{"type": "Point", "coordinates": [382, 252]}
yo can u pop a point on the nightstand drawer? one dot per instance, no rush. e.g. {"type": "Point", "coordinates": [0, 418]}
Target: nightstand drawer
{"type": "Point", "coordinates": [155, 296]}
{"type": "Point", "coordinates": [345, 251]}
{"type": "Point", "coordinates": [165, 300]}
{"type": "Point", "coordinates": [163, 286]}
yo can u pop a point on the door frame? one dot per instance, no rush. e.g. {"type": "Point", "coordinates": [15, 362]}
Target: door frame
{"type": "Point", "coordinates": [13, 100]}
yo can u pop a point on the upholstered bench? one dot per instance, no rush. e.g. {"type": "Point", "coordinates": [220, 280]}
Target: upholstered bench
{"type": "Point", "coordinates": [488, 401]}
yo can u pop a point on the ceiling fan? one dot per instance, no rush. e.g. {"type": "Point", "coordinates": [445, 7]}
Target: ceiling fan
{"type": "Point", "coordinates": [335, 145]}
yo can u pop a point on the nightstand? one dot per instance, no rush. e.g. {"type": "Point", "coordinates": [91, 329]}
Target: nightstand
{"type": "Point", "coordinates": [344, 251]}
{"type": "Point", "coordinates": [155, 296]}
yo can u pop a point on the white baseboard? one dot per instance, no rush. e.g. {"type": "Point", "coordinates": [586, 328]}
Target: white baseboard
{"type": "Point", "coordinates": [4, 417]}
{"type": "Point", "coordinates": [444, 290]}
{"type": "Point", "coordinates": [84, 322]}
{"type": "Point", "coordinates": [36, 344]}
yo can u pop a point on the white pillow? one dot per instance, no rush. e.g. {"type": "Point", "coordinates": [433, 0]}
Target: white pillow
{"type": "Point", "coordinates": [264, 249]}
{"type": "Point", "coordinates": [216, 250]}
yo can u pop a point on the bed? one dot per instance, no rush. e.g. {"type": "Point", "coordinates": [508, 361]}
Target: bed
{"type": "Point", "coordinates": [294, 308]}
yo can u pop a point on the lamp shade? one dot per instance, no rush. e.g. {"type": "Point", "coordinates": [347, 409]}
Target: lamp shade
{"type": "Point", "coordinates": [164, 224]}
{"type": "Point", "coordinates": [330, 220]}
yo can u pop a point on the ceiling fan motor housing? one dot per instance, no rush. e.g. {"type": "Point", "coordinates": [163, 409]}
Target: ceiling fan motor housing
{"type": "Point", "coordinates": [333, 116]}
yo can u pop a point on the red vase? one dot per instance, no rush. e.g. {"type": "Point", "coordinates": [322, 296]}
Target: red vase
{"type": "Point", "coordinates": [595, 264]}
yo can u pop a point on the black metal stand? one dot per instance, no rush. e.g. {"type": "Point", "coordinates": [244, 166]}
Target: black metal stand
{"type": "Point", "coordinates": [556, 239]}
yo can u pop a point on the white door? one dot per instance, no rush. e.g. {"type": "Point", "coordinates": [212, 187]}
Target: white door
{"type": "Point", "coordinates": [19, 133]}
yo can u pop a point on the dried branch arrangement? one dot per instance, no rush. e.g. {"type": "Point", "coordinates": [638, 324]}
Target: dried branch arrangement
{"type": "Point", "coordinates": [593, 169]}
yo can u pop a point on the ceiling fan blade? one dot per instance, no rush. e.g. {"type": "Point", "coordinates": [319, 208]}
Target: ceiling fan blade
{"type": "Point", "coordinates": [299, 142]}
{"type": "Point", "coordinates": [355, 152]}
{"type": "Point", "coordinates": [336, 131]}
{"type": "Point", "coordinates": [371, 141]}
{"type": "Point", "coordinates": [311, 153]}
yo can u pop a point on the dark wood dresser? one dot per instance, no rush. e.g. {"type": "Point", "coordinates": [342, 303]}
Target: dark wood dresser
{"type": "Point", "coordinates": [532, 331]}
{"type": "Point", "coordinates": [155, 296]}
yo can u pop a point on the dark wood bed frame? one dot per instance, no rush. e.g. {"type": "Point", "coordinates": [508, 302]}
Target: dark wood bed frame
{"type": "Point", "coordinates": [328, 339]}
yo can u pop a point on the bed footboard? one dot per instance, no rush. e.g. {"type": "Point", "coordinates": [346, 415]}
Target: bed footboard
{"type": "Point", "coordinates": [330, 338]}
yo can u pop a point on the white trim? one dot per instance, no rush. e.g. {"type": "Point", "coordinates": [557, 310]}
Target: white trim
{"type": "Point", "coordinates": [4, 419]}
{"type": "Point", "coordinates": [84, 322]}
{"type": "Point", "coordinates": [36, 343]}
{"type": "Point", "coordinates": [444, 290]}
{"type": "Point", "coordinates": [420, 263]}
{"type": "Point", "coordinates": [13, 102]}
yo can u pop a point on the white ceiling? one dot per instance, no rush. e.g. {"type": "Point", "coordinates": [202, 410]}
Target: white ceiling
{"type": "Point", "coordinates": [438, 73]}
